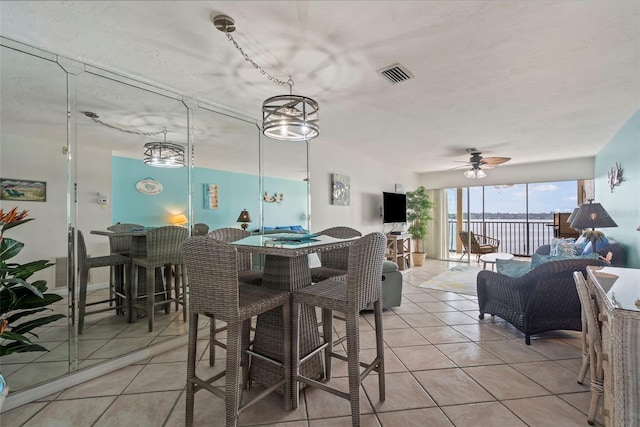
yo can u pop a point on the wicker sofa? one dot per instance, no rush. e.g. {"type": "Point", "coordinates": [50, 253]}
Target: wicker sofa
{"type": "Point", "coordinates": [544, 299]}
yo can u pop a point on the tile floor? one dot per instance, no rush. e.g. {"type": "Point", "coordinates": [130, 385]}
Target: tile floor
{"type": "Point", "coordinates": [444, 368]}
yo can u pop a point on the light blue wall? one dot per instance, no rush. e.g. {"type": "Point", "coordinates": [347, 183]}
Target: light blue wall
{"type": "Point", "coordinates": [623, 203]}
{"type": "Point", "coordinates": [131, 206]}
{"type": "Point", "coordinates": [237, 191]}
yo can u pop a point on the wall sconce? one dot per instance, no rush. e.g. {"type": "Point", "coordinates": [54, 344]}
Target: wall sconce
{"type": "Point", "coordinates": [244, 218]}
{"type": "Point", "coordinates": [179, 219]}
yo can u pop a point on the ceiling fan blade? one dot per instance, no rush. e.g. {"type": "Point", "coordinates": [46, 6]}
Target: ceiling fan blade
{"type": "Point", "coordinates": [494, 161]}
{"type": "Point", "coordinates": [465, 166]}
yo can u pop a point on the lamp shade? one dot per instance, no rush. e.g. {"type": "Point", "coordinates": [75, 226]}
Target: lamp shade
{"type": "Point", "coordinates": [244, 216]}
{"type": "Point", "coordinates": [572, 216]}
{"type": "Point", "coordinates": [164, 154]}
{"type": "Point", "coordinates": [592, 215]}
{"type": "Point", "coordinates": [179, 219]}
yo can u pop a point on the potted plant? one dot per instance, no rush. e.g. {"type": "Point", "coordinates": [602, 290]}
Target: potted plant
{"type": "Point", "coordinates": [19, 298]}
{"type": "Point", "coordinates": [418, 214]}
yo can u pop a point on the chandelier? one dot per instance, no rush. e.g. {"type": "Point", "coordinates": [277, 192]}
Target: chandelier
{"type": "Point", "coordinates": [284, 117]}
{"type": "Point", "coordinates": [164, 154]}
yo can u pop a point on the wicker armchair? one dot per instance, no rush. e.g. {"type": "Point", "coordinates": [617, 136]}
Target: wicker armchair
{"type": "Point", "coordinates": [333, 263]}
{"type": "Point", "coordinates": [544, 299]}
{"type": "Point", "coordinates": [477, 244]}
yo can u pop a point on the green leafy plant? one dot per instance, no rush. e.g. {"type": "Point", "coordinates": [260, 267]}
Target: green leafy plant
{"type": "Point", "coordinates": [419, 214]}
{"type": "Point", "coordinates": [19, 298]}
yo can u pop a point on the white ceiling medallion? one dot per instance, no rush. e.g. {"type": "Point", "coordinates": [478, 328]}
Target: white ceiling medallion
{"type": "Point", "coordinates": [149, 186]}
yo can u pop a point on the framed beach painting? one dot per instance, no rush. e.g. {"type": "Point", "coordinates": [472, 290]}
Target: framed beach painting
{"type": "Point", "coordinates": [23, 190]}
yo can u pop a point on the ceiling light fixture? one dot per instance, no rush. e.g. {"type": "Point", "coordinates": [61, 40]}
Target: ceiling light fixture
{"type": "Point", "coordinates": [475, 173]}
{"type": "Point", "coordinates": [284, 117]}
{"type": "Point", "coordinates": [164, 154]}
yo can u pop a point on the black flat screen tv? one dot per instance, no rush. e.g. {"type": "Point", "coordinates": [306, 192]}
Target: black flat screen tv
{"type": "Point", "coordinates": [394, 207]}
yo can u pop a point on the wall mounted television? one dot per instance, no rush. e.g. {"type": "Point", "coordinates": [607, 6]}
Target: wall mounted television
{"type": "Point", "coordinates": [394, 207]}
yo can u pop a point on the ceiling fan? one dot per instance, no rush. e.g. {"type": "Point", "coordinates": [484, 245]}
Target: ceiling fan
{"type": "Point", "coordinates": [477, 163]}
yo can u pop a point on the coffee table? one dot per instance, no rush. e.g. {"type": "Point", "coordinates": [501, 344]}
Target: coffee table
{"type": "Point", "coordinates": [492, 257]}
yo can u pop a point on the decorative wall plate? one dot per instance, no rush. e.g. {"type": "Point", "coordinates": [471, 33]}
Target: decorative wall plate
{"type": "Point", "coordinates": [149, 186]}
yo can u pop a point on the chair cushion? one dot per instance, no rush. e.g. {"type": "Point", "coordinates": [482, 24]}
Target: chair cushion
{"type": "Point", "coordinates": [512, 268]}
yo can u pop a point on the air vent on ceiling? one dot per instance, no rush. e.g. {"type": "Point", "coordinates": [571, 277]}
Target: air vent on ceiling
{"type": "Point", "coordinates": [396, 73]}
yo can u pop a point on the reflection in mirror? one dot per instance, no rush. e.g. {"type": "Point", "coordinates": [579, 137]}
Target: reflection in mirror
{"type": "Point", "coordinates": [114, 185]}
{"type": "Point", "coordinates": [285, 189]}
{"type": "Point", "coordinates": [33, 126]}
{"type": "Point", "coordinates": [226, 174]}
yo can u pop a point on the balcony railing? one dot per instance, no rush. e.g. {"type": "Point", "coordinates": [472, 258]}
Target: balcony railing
{"type": "Point", "coordinates": [520, 238]}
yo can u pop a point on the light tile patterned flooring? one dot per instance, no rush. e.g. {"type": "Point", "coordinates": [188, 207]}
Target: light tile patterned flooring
{"type": "Point", "coordinates": [444, 368]}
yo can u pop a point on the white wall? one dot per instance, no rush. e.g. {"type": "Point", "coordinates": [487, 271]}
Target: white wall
{"type": "Point", "coordinates": [369, 178]}
{"type": "Point", "coordinates": [561, 170]}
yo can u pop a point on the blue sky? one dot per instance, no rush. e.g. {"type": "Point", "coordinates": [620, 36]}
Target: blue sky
{"type": "Point", "coordinates": [543, 197]}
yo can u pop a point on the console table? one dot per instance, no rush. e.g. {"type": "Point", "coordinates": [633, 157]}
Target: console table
{"type": "Point", "coordinates": [399, 250]}
{"type": "Point", "coordinates": [617, 290]}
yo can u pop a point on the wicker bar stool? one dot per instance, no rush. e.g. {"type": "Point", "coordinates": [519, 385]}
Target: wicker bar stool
{"type": "Point", "coordinates": [594, 340]}
{"type": "Point", "coordinates": [333, 263]}
{"type": "Point", "coordinates": [120, 245]}
{"type": "Point", "coordinates": [245, 275]}
{"type": "Point", "coordinates": [85, 263]}
{"type": "Point", "coordinates": [163, 250]}
{"type": "Point", "coordinates": [214, 292]}
{"type": "Point", "coordinates": [363, 286]}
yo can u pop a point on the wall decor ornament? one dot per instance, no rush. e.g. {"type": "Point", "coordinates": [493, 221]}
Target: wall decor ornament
{"type": "Point", "coordinates": [276, 198]}
{"type": "Point", "coordinates": [614, 176]}
{"type": "Point", "coordinates": [149, 186]}
{"type": "Point", "coordinates": [340, 193]}
{"type": "Point", "coordinates": [211, 196]}
{"type": "Point", "coordinates": [23, 190]}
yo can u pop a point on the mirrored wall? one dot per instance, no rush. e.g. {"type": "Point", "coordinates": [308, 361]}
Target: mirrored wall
{"type": "Point", "coordinates": [80, 132]}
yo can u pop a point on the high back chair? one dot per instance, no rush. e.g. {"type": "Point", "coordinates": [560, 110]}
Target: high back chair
{"type": "Point", "coordinates": [163, 249]}
{"type": "Point", "coordinates": [85, 263]}
{"type": "Point", "coordinates": [120, 245]}
{"type": "Point", "coordinates": [363, 286]}
{"type": "Point", "coordinates": [214, 292]}
{"type": "Point", "coordinates": [245, 275]}
{"type": "Point", "coordinates": [594, 340]}
{"type": "Point", "coordinates": [333, 263]}
{"type": "Point", "coordinates": [473, 246]}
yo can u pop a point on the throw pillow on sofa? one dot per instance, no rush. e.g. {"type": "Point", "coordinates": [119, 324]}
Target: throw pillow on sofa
{"type": "Point", "coordinates": [537, 259]}
{"type": "Point", "coordinates": [556, 243]}
{"type": "Point", "coordinates": [588, 249]}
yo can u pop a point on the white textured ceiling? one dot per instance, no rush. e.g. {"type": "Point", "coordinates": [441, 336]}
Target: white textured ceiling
{"type": "Point", "coordinates": [531, 80]}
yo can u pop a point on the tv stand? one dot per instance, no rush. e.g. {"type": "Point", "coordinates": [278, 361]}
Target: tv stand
{"type": "Point", "coordinates": [399, 250]}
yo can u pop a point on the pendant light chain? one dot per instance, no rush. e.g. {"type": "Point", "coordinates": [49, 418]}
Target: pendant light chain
{"type": "Point", "coordinates": [95, 118]}
{"type": "Point", "coordinates": [256, 66]}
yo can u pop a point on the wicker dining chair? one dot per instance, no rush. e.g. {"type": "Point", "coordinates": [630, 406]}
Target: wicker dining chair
{"type": "Point", "coordinates": [214, 292]}
{"type": "Point", "coordinates": [85, 263]}
{"type": "Point", "coordinates": [163, 250]}
{"type": "Point", "coordinates": [120, 245]}
{"type": "Point", "coordinates": [363, 286]}
{"type": "Point", "coordinates": [245, 275]}
{"type": "Point", "coordinates": [333, 263]}
{"type": "Point", "coordinates": [594, 340]}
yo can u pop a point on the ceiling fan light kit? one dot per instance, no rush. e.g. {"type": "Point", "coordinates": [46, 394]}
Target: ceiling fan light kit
{"type": "Point", "coordinates": [478, 163]}
{"type": "Point", "coordinates": [284, 117]}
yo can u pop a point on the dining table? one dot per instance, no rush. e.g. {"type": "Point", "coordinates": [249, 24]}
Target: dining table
{"type": "Point", "coordinates": [286, 268]}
